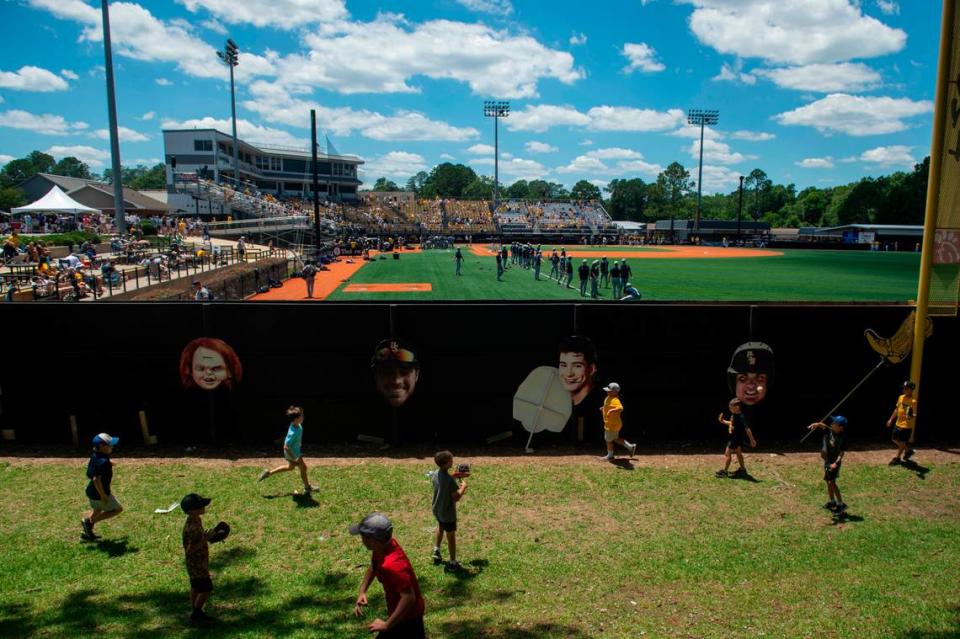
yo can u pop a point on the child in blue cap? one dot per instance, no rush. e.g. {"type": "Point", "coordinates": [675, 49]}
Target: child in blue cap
{"type": "Point", "coordinates": [103, 503]}
{"type": "Point", "coordinates": [831, 451]}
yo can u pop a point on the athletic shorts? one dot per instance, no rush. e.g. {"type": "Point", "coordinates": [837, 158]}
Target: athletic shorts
{"type": "Point", "coordinates": [902, 434]}
{"type": "Point", "coordinates": [201, 584]}
{"type": "Point", "coordinates": [447, 526]}
{"type": "Point", "coordinates": [290, 457]}
{"type": "Point", "coordinates": [107, 506]}
{"type": "Point", "coordinates": [409, 629]}
{"type": "Point", "coordinates": [736, 443]}
{"type": "Point", "coordinates": [830, 475]}
{"type": "Point", "coordinates": [611, 435]}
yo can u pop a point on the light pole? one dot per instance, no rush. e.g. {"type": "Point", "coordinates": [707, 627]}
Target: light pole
{"type": "Point", "coordinates": [702, 117]}
{"type": "Point", "coordinates": [231, 57]}
{"type": "Point", "coordinates": [496, 109]}
{"type": "Point", "coordinates": [739, 210]}
{"type": "Point", "coordinates": [119, 217]}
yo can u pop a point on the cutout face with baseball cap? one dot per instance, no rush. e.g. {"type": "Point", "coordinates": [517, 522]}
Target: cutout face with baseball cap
{"type": "Point", "coordinates": [396, 371]}
{"type": "Point", "coordinates": [750, 372]}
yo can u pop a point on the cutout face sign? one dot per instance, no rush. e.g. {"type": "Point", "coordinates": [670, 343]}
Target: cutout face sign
{"type": "Point", "coordinates": [750, 372]}
{"type": "Point", "coordinates": [208, 363]}
{"type": "Point", "coordinates": [396, 371]}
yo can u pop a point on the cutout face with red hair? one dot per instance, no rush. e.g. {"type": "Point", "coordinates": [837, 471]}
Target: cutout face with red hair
{"type": "Point", "coordinates": [207, 363]}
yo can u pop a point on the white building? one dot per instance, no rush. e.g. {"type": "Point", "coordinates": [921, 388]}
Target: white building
{"type": "Point", "coordinates": [278, 170]}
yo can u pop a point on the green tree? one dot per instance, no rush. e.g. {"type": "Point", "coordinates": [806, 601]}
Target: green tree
{"type": "Point", "coordinates": [11, 196]}
{"type": "Point", "coordinates": [519, 190]}
{"type": "Point", "coordinates": [383, 184]}
{"type": "Point", "coordinates": [72, 167]}
{"type": "Point", "coordinates": [144, 179]}
{"type": "Point", "coordinates": [480, 189]}
{"type": "Point", "coordinates": [674, 184]}
{"type": "Point", "coordinates": [759, 183]}
{"type": "Point", "coordinates": [584, 190]}
{"type": "Point", "coordinates": [448, 180]}
{"type": "Point", "coordinates": [628, 199]}
{"type": "Point", "coordinates": [16, 171]}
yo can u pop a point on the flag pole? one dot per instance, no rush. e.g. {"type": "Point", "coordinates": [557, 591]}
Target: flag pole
{"type": "Point", "coordinates": [933, 189]}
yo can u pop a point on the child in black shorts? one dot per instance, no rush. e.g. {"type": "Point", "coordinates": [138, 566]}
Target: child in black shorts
{"type": "Point", "coordinates": [740, 434]}
{"type": "Point", "coordinates": [446, 493]}
{"type": "Point", "coordinates": [832, 453]}
{"type": "Point", "coordinates": [197, 550]}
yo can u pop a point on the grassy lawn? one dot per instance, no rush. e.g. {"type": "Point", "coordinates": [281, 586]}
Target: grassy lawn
{"type": "Point", "coordinates": [576, 548]}
{"type": "Point", "coordinates": [795, 276]}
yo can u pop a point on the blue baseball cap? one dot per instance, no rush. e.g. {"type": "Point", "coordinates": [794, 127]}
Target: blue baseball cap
{"type": "Point", "coordinates": [104, 438]}
{"type": "Point", "coordinates": [839, 419]}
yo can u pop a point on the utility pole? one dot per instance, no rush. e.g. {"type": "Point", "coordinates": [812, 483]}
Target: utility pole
{"type": "Point", "coordinates": [740, 209]}
{"type": "Point", "coordinates": [496, 109]}
{"type": "Point", "coordinates": [231, 57]}
{"type": "Point", "coordinates": [702, 117]}
{"type": "Point", "coordinates": [316, 182]}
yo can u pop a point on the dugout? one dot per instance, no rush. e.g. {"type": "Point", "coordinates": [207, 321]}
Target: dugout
{"type": "Point", "coordinates": [670, 359]}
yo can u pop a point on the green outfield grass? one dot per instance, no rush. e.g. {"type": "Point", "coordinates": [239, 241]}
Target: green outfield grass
{"type": "Point", "coordinates": [574, 549]}
{"type": "Point", "coordinates": [797, 275]}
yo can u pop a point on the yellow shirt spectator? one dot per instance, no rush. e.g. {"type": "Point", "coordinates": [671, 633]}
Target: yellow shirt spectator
{"type": "Point", "coordinates": [611, 414]}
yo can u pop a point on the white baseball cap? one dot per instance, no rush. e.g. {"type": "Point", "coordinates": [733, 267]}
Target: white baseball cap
{"type": "Point", "coordinates": [612, 386]}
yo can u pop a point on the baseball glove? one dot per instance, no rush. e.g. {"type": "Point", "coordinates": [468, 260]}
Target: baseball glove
{"type": "Point", "coordinates": [220, 532]}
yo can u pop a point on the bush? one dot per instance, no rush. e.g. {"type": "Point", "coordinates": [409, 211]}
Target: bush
{"type": "Point", "coordinates": [148, 227]}
{"type": "Point", "coordinates": [61, 239]}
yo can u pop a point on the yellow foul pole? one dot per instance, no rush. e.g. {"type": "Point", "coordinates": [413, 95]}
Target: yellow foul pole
{"type": "Point", "coordinates": [933, 186]}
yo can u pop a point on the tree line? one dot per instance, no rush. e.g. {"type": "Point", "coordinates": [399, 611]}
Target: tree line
{"type": "Point", "coordinates": [898, 198]}
{"type": "Point", "coordinates": [16, 171]}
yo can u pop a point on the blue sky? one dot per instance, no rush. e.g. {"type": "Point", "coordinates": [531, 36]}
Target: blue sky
{"type": "Point", "coordinates": [814, 92]}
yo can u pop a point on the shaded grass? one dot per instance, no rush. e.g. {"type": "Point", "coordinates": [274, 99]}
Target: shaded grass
{"type": "Point", "coordinates": [798, 275]}
{"type": "Point", "coordinates": [569, 551]}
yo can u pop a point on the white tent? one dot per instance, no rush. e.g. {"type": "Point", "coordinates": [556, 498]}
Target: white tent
{"type": "Point", "coordinates": [55, 201]}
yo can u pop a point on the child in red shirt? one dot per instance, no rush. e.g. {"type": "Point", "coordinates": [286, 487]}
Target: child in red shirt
{"type": "Point", "coordinates": [389, 564]}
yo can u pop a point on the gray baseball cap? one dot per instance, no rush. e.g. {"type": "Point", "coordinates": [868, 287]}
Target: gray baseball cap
{"type": "Point", "coordinates": [374, 525]}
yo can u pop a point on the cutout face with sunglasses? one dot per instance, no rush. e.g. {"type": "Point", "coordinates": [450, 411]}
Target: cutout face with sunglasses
{"type": "Point", "coordinates": [395, 371]}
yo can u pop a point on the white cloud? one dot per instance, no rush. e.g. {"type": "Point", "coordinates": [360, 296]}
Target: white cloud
{"type": "Point", "coordinates": [146, 162]}
{"type": "Point", "coordinates": [855, 115]}
{"type": "Point", "coordinates": [277, 106]}
{"type": "Point", "coordinates": [506, 156]}
{"type": "Point", "coordinates": [125, 134]}
{"type": "Point", "coordinates": [888, 7]}
{"type": "Point", "coordinates": [6, 158]}
{"type": "Point", "coordinates": [214, 25]}
{"type": "Point", "coordinates": [69, 75]}
{"type": "Point", "coordinates": [45, 124]}
{"type": "Point", "coordinates": [614, 153]}
{"type": "Point", "coordinates": [586, 142]}
{"type": "Point", "coordinates": [481, 149]}
{"type": "Point", "coordinates": [136, 33]}
{"type": "Point", "coordinates": [539, 147]}
{"type": "Point", "coordinates": [246, 130]}
{"type": "Point", "coordinates": [29, 78]}
{"type": "Point", "coordinates": [693, 132]}
{"type": "Point", "coordinates": [816, 163]}
{"type": "Point", "coordinates": [384, 55]}
{"type": "Point", "coordinates": [719, 179]}
{"type": "Point", "coordinates": [896, 155]}
{"type": "Point", "coordinates": [395, 164]}
{"type": "Point", "coordinates": [283, 14]}
{"type": "Point", "coordinates": [825, 78]}
{"type": "Point", "coordinates": [578, 39]}
{"type": "Point", "coordinates": [516, 168]}
{"type": "Point", "coordinates": [163, 82]}
{"type": "Point", "coordinates": [640, 56]}
{"type": "Point", "coordinates": [735, 74]}
{"type": "Point", "coordinates": [607, 118]}
{"type": "Point", "coordinates": [792, 32]}
{"type": "Point", "coordinates": [715, 151]}
{"type": "Point", "coordinates": [447, 156]}
{"type": "Point", "coordinates": [592, 163]}
{"type": "Point", "coordinates": [752, 136]}
{"type": "Point", "coordinates": [86, 154]}
{"type": "Point", "coordinates": [149, 115]}
{"type": "Point", "coordinates": [541, 117]}
{"type": "Point", "coordinates": [495, 7]}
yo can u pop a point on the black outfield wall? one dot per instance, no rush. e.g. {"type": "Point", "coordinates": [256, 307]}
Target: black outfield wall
{"type": "Point", "coordinates": [105, 362]}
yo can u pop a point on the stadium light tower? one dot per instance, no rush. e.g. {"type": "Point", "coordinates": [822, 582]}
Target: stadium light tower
{"type": "Point", "coordinates": [118, 213]}
{"type": "Point", "coordinates": [703, 117]}
{"type": "Point", "coordinates": [496, 109]}
{"type": "Point", "coordinates": [231, 57]}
